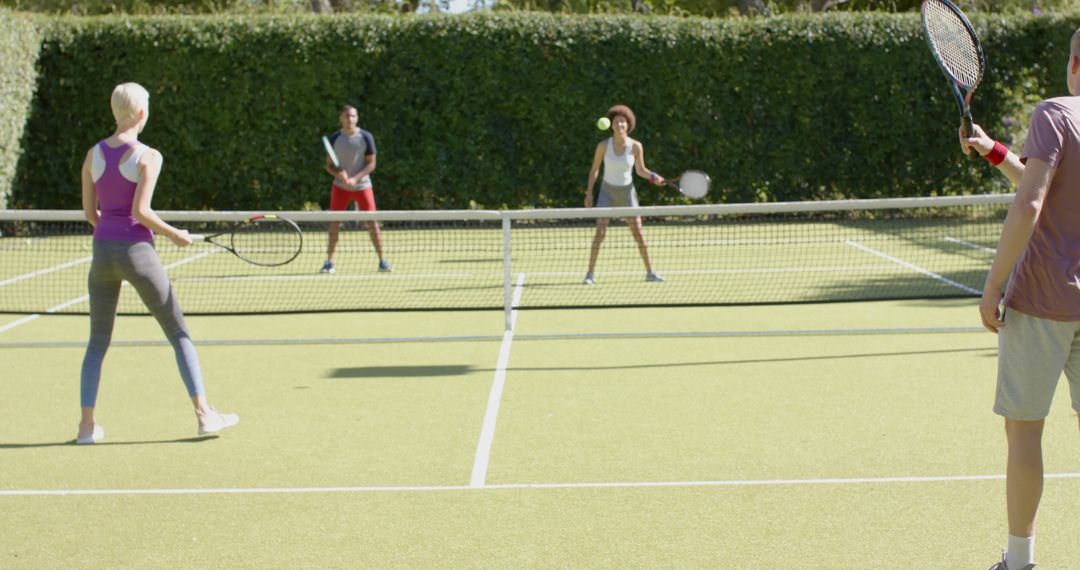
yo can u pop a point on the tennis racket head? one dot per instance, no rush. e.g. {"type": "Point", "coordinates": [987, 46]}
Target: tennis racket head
{"type": "Point", "coordinates": [266, 240]}
{"type": "Point", "coordinates": [330, 152]}
{"type": "Point", "coordinates": [694, 184]}
{"type": "Point", "coordinates": [957, 51]}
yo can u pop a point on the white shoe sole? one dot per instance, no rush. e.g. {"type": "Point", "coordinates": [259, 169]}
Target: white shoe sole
{"type": "Point", "coordinates": [98, 435]}
{"type": "Point", "coordinates": [227, 421]}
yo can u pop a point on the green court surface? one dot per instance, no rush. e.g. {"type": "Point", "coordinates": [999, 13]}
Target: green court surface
{"type": "Point", "coordinates": [801, 436]}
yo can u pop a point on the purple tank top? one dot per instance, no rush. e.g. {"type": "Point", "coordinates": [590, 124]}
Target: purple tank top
{"type": "Point", "coordinates": [115, 195]}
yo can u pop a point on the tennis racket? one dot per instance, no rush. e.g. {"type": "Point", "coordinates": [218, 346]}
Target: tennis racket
{"type": "Point", "coordinates": [693, 184]}
{"type": "Point", "coordinates": [330, 152]}
{"type": "Point", "coordinates": [260, 240]}
{"type": "Point", "coordinates": [957, 50]}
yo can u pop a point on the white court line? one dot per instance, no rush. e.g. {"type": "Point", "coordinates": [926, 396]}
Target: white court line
{"type": "Point", "coordinates": [260, 341]}
{"type": "Point", "coordinates": [527, 486]}
{"type": "Point", "coordinates": [41, 272]}
{"type": "Point", "coordinates": [913, 267]}
{"type": "Point", "coordinates": [498, 275]}
{"type": "Point", "coordinates": [67, 304]}
{"type": "Point", "coordinates": [752, 333]}
{"type": "Point", "coordinates": [82, 298]}
{"type": "Point", "coordinates": [487, 431]}
{"type": "Point", "coordinates": [519, 337]}
{"type": "Point", "coordinates": [966, 243]}
{"type": "Point", "coordinates": [195, 257]}
{"type": "Point", "coordinates": [21, 321]}
{"type": "Point", "coordinates": [337, 277]}
{"type": "Point", "coordinates": [735, 271]}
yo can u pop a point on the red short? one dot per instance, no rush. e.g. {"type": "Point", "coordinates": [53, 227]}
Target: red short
{"type": "Point", "coordinates": [340, 199]}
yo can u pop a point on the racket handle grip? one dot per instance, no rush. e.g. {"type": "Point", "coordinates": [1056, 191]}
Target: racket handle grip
{"type": "Point", "coordinates": [966, 130]}
{"type": "Point", "coordinates": [197, 237]}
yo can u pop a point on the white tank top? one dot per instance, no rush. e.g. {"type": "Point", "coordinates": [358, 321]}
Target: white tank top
{"type": "Point", "coordinates": [618, 170]}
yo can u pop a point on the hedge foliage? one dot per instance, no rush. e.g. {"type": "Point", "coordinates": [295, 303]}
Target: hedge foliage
{"type": "Point", "coordinates": [18, 54]}
{"type": "Point", "coordinates": [499, 111]}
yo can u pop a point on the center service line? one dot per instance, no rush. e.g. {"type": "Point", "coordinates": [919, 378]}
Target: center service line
{"type": "Point", "coordinates": [487, 432]}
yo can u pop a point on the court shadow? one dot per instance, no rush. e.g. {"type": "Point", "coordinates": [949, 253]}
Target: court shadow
{"type": "Point", "coordinates": [401, 371]}
{"type": "Point", "coordinates": [462, 369]}
{"type": "Point", "coordinates": [71, 442]}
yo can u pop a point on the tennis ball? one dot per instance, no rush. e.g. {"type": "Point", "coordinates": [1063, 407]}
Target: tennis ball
{"type": "Point", "coordinates": [603, 123]}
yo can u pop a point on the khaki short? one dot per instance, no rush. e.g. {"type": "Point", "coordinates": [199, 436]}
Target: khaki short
{"type": "Point", "coordinates": [1032, 354]}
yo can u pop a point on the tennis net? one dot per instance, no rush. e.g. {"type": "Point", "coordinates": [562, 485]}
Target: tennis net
{"type": "Point", "coordinates": [730, 254]}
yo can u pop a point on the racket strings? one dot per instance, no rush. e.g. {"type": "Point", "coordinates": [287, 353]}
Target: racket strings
{"type": "Point", "coordinates": [694, 184]}
{"type": "Point", "coordinates": [954, 44]}
{"type": "Point", "coordinates": [268, 242]}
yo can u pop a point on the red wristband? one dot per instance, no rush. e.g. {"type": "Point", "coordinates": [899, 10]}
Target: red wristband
{"type": "Point", "coordinates": [997, 156]}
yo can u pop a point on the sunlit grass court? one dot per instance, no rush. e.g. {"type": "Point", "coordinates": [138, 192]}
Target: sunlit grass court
{"type": "Point", "coordinates": [822, 436]}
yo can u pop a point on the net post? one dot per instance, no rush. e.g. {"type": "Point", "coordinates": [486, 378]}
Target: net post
{"type": "Point", "coordinates": [508, 284]}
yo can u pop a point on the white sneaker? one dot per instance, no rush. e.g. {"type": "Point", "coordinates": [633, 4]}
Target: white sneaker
{"type": "Point", "coordinates": [589, 279]}
{"type": "Point", "coordinates": [217, 421]}
{"type": "Point", "coordinates": [98, 435]}
{"type": "Point", "coordinates": [652, 277]}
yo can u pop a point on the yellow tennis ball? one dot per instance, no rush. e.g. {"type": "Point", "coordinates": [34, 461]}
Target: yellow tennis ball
{"type": "Point", "coordinates": [603, 123]}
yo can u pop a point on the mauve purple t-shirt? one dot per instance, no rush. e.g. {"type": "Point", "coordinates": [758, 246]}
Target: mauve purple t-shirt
{"type": "Point", "coordinates": [1046, 281]}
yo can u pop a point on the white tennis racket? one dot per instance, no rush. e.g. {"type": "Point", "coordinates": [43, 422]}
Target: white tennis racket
{"type": "Point", "coordinates": [330, 152]}
{"type": "Point", "coordinates": [693, 184]}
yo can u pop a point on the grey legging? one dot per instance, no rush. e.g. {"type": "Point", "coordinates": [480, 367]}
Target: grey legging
{"type": "Point", "coordinates": [137, 263]}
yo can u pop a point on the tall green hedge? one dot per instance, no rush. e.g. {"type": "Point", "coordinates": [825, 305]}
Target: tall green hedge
{"type": "Point", "coordinates": [499, 111]}
{"type": "Point", "coordinates": [18, 54]}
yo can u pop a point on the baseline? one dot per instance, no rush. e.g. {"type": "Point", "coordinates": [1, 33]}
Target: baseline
{"type": "Point", "coordinates": [527, 486]}
{"type": "Point", "coordinates": [490, 338]}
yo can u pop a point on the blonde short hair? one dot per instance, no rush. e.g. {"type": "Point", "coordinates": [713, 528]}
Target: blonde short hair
{"type": "Point", "coordinates": [127, 100]}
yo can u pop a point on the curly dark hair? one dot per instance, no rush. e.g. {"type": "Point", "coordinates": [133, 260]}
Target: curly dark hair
{"type": "Point", "coordinates": [625, 111]}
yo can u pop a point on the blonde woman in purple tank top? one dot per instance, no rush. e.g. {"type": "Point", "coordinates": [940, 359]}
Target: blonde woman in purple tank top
{"type": "Point", "coordinates": [118, 180]}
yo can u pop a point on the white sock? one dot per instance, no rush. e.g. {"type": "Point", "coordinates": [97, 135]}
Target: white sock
{"type": "Point", "coordinates": [1021, 552]}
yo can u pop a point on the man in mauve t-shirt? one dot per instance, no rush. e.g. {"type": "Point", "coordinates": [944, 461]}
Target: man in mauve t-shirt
{"type": "Point", "coordinates": [1039, 327]}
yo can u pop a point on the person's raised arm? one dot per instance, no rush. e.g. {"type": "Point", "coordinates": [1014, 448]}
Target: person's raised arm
{"type": "Point", "coordinates": [1005, 160]}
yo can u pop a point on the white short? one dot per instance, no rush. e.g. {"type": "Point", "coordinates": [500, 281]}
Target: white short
{"type": "Point", "coordinates": [1032, 354]}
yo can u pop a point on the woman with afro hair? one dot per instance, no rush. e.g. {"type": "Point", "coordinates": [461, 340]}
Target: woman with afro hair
{"type": "Point", "coordinates": [621, 157]}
